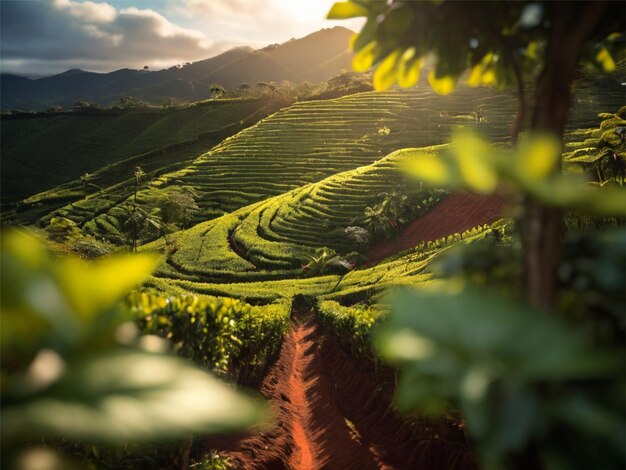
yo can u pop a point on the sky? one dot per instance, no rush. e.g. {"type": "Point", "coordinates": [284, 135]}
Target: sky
{"type": "Point", "coordinates": [43, 37]}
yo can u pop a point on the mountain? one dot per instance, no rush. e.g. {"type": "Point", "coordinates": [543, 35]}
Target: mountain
{"type": "Point", "coordinates": [316, 57]}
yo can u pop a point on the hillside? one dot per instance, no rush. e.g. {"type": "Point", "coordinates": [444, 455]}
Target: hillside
{"type": "Point", "coordinates": [272, 157]}
{"type": "Point", "coordinates": [54, 150]}
{"type": "Point", "coordinates": [313, 58]}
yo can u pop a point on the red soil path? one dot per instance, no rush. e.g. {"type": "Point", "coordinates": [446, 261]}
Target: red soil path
{"type": "Point", "coordinates": [455, 214]}
{"type": "Point", "coordinates": [333, 412]}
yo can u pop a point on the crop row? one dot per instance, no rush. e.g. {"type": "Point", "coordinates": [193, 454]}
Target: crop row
{"type": "Point", "coordinates": [308, 142]}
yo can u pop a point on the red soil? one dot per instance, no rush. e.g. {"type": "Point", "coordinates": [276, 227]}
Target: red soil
{"type": "Point", "coordinates": [334, 413]}
{"type": "Point", "coordinates": [455, 214]}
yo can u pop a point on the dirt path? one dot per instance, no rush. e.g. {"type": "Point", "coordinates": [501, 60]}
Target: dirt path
{"type": "Point", "coordinates": [455, 214]}
{"type": "Point", "coordinates": [333, 413]}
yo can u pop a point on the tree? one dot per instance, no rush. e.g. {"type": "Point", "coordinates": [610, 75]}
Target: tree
{"type": "Point", "coordinates": [135, 220]}
{"type": "Point", "coordinates": [501, 44]}
{"type": "Point", "coordinates": [178, 206]}
{"type": "Point", "coordinates": [217, 90]}
{"type": "Point", "coordinates": [452, 341]}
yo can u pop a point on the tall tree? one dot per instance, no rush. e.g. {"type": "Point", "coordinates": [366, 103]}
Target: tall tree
{"type": "Point", "coordinates": [501, 44]}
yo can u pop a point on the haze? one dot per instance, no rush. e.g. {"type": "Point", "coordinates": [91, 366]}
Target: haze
{"type": "Point", "coordinates": [44, 37]}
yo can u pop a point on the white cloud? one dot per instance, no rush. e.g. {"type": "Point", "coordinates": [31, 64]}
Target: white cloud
{"type": "Point", "coordinates": [90, 11]}
{"type": "Point", "coordinates": [63, 32]}
{"type": "Point", "coordinates": [260, 21]}
{"type": "Point", "coordinates": [103, 37]}
{"type": "Point", "coordinates": [211, 8]}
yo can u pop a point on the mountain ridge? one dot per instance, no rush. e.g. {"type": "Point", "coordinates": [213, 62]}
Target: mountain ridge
{"type": "Point", "coordinates": [315, 57]}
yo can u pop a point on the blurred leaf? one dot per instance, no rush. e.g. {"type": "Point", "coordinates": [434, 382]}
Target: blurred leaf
{"type": "Point", "coordinates": [127, 395]}
{"type": "Point", "coordinates": [345, 10]}
{"type": "Point", "coordinates": [408, 68]}
{"type": "Point", "coordinates": [457, 344]}
{"type": "Point", "coordinates": [364, 59]}
{"type": "Point", "coordinates": [604, 58]}
{"type": "Point", "coordinates": [428, 167]}
{"type": "Point", "coordinates": [443, 85]}
{"type": "Point", "coordinates": [94, 287]}
{"type": "Point", "coordinates": [475, 166]}
{"type": "Point", "coordinates": [538, 157]}
{"type": "Point", "coordinates": [385, 74]}
{"type": "Point", "coordinates": [466, 326]}
{"type": "Point", "coordinates": [482, 73]}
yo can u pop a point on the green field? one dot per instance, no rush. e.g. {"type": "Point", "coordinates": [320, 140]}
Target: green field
{"type": "Point", "coordinates": [45, 156]}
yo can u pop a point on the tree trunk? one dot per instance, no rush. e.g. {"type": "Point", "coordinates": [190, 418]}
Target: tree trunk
{"type": "Point", "coordinates": [572, 23]}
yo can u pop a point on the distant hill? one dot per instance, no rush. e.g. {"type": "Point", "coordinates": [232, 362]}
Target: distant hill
{"type": "Point", "coordinates": [315, 58]}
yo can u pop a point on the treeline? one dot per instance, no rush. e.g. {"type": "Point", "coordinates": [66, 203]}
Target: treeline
{"type": "Point", "coordinates": [345, 83]}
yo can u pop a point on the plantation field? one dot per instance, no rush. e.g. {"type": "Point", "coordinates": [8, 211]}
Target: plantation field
{"type": "Point", "coordinates": [49, 153]}
{"type": "Point", "coordinates": [302, 144]}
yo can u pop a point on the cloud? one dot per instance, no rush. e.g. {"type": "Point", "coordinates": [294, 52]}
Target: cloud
{"type": "Point", "coordinates": [261, 21]}
{"type": "Point", "coordinates": [55, 34]}
{"type": "Point", "coordinates": [212, 8]}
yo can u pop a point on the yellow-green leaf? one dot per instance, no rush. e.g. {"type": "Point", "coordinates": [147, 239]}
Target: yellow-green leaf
{"type": "Point", "coordinates": [95, 287]}
{"type": "Point", "coordinates": [475, 166]}
{"type": "Point", "coordinates": [344, 10]}
{"type": "Point", "coordinates": [429, 168]}
{"type": "Point", "coordinates": [474, 77]}
{"type": "Point", "coordinates": [538, 157]}
{"type": "Point", "coordinates": [443, 86]}
{"type": "Point", "coordinates": [364, 59]}
{"type": "Point", "coordinates": [409, 66]}
{"type": "Point", "coordinates": [385, 76]}
{"type": "Point", "coordinates": [483, 73]}
{"type": "Point", "coordinates": [604, 58]}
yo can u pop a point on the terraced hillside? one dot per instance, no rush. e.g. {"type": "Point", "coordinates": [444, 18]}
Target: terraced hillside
{"type": "Point", "coordinates": [257, 253]}
{"type": "Point", "coordinates": [306, 143]}
{"type": "Point", "coordinates": [275, 237]}
{"type": "Point", "coordinates": [47, 155]}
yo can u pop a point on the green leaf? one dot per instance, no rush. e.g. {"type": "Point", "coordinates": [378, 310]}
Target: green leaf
{"type": "Point", "coordinates": [345, 10]}
{"type": "Point", "coordinates": [538, 157]}
{"type": "Point", "coordinates": [483, 72]}
{"type": "Point", "coordinates": [467, 326]}
{"type": "Point", "coordinates": [475, 165]}
{"type": "Point", "coordinates": [408, 72]}
{"type": "Point", "coordinates": [606, 61]}
{"type": "Point", "coordinates": [131, 396]}
{"type": "Point", "coordinates": [385, 74]}
{"type": "Point", "coordinates": [441, 85]}
{"type": "Point", "coordinates": [365, 58]}
{"type": "Point", "coordinates": [428, 167]}
{"type": "Point", "coordinates": [455, 343]}
{"type": "Point", "coordinates": [97, 286]}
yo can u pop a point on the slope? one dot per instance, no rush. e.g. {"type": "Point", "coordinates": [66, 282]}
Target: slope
{"type": "Point", "coordinates": [313, 58]}
{"type": "Point", "coordinates": [306, 143]}
{"type": "Point", "coordinates": [50, 153]}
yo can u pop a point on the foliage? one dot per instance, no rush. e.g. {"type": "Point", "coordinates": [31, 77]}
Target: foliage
{"type": "Point", "coordinates": [592, 279]}
{"type": "Point", "coordinates": [62, 229]}
{"type": "Point", "coordinates": [213, 462]}
{"type": "Point", "coordinates": [495, 43]}
{"type": "Point", "coordinates": [222, 334]}
{"type": "Point", "coordinates": [65, 375]}
{"type": "Point", "coordinates": [352, 325]}
{"type": "Point", "coordinates": [326, 261]}
{"type": "Point", "coordinates": [178, 206]}
{"type": "Point", "coordinates": [522, 378]}
{"type": "Point", "coordinates": [603, 150]}
{"type": "Point", "coordinates": [216, 90]}
{"type": "Point", "coordinates": [472, 164]}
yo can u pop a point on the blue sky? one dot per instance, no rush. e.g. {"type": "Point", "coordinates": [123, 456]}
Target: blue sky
{"type": "Point", "coordinates": [40, 37]}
